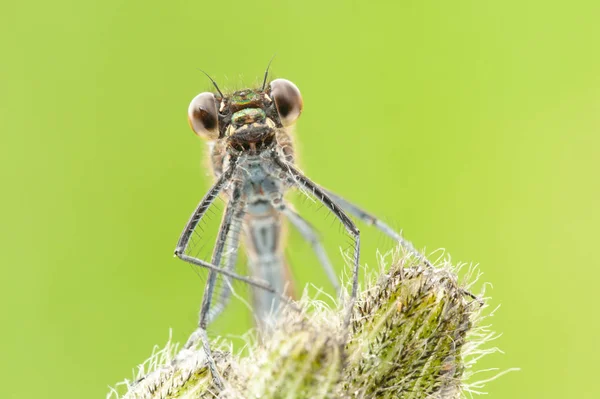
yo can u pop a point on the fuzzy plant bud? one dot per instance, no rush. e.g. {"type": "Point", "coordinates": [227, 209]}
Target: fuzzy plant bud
{"type": "Point", "coordinates": [415, 333]}
{"type": "Point", "coordinates": [170, 373]}
{"type": "Point", "coordinates": [301, 359]}
{"type": "Point", "coordinates": [407, 336]}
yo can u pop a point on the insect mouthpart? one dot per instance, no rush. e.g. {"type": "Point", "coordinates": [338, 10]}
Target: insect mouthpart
{"type": "Point", "coordinates": [250, 129]}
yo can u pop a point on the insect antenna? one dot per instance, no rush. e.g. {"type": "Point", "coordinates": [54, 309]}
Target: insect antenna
{"type": "Point", "coordinates": [213, 82]}
{"type": "Point", "coordinates": [267, 72]}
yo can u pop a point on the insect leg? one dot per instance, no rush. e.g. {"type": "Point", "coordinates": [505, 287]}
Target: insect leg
{"type": "Point", "coordinates": [231, 258]}
{"type": "Point", "coordinates": [308, 232]}
{"type": "Point", "coordinates": [201, 209]}
{"type": "Point", "coordinates": [234, 208]}
{"type": "Point", "coordinates": [308, 185]}
{"type": "Point", "coordinates": [182, 244]}
{"type": "Point", "coordinates": [372, 220]}
{"type": "Point", "coordinates": [200, 333]}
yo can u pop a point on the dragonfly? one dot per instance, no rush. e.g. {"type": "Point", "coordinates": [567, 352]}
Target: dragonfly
{"type": "Point", "coordinates": [251, 149]}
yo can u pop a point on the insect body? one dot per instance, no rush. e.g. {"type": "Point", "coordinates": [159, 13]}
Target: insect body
{"type": "Point", "coordinates": [252, 156]}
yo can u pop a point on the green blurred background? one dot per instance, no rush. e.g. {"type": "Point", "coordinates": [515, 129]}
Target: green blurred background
{"type": "Point", "coordinates": [472, 125]}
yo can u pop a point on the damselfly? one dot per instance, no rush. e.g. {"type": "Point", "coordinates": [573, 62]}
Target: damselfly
{"type": "Point", "coordinates": [250, 139]}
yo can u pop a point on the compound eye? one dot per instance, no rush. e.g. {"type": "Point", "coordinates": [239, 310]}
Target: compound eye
{"type": "Point", "coordinates": [288, 100]}
{"type": "Point", "coordinates": [202, 116]}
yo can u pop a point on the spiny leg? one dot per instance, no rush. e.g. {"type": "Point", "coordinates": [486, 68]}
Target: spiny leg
{"type": "Point", "coordinates": [308, 232]}
{"type": "Point", "coordinates": [200, 211]}
{"type": "Point", "coordinates": [372, 220]}
{"type": "Point", "coordinates": [245, 279]}
{"type": "Point", "coordinates": [200, 333]}
{"type": "Point", "coordinates": [182, 246]}
{"type": "Point", "coordinates": [230, 261]}
{"type": "Point", "coordinates": [307, 184]}
{"type": "Point", "coordinates": [234, 206]}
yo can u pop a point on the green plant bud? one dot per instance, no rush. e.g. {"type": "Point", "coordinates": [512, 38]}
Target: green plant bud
{"type": "Point", "coordinates": [170, 374]}
{"type": "Point", "coordinates": [415, 333]}
{"type": "Point", "coordinates": [408, 332]}
{"type": "Point", "coordinates": [300, 360]}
